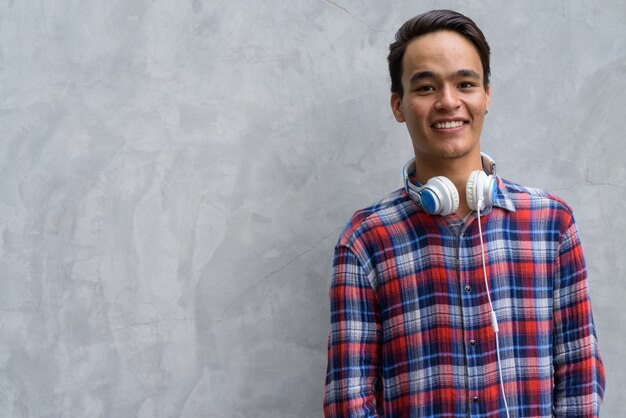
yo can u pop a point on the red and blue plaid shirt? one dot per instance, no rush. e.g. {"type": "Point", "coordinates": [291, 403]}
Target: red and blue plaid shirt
{"type": "Point", "coordinates": [411, 334]}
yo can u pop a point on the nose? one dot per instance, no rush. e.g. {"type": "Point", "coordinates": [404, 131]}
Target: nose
{"type": "Point", "coordinates": [448, 99]}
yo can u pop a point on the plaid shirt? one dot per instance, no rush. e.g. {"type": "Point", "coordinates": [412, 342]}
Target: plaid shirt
{"type": "Point", "coordinates": [411, 333]}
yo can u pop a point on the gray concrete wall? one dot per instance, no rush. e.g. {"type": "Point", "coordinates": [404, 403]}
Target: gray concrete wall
{"type": "Point", "coordinates": [174, 175]}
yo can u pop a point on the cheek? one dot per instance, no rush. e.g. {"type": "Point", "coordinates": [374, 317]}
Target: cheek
{"type": "Point", "coordinates": [480, 102]}
{"type": "Point", "coordinates": [418, 110]}
{"type": "Point", "coordinates": [477, 108]}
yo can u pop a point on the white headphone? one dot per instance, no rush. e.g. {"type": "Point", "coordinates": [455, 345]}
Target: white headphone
{"type": "Point", "coordinates": [440, 197]}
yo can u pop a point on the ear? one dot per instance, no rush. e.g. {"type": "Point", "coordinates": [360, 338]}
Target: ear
{"type": "Point", "coordinates": [487, 96]}
{"type": "Point", "coordinates": [396, 107]}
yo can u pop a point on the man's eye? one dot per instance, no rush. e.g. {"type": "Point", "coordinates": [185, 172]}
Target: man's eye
{"type": "Point", "coordinates": [424, 89]}
{"type": "Point", "coordinates": [466, 85]}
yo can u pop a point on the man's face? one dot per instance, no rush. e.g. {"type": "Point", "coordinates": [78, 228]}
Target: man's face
{"type": "Point", "coordinates": [444, 101]}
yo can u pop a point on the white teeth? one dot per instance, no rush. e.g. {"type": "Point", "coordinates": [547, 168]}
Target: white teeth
{"type": "Point", "coordinates": [446, 125]}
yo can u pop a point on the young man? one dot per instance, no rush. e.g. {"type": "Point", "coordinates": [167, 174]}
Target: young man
{"type": "Point", "coordinates": [462, 294]}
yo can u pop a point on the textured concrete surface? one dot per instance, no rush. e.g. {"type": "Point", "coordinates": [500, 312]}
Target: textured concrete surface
{"type": "Point", "coordinates": [174, 175]}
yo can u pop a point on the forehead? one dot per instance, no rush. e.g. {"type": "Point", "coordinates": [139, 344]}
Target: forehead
{"type": "Point", "coordinates": [441, 51]}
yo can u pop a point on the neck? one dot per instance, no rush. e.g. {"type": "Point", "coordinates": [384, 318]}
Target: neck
{"type": "Point", "coordinates": [457, 170]}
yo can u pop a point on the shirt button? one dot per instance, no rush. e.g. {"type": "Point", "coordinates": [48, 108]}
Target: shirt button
{"type": "Point", "coordinates": [468, 288]}
{"type": "Point", "coordinates": [473, 343]}
{"type": "Point", "coordinates": [475, 399]}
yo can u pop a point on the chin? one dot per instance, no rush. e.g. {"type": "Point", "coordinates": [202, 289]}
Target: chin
{"type": "Point", "coordinates": [451, 154]}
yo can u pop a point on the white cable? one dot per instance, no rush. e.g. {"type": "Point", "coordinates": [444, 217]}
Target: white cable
{"type": "Point", "coordinates": [506, 405]}
{"type": "Point", "coordinates": [494, 318]}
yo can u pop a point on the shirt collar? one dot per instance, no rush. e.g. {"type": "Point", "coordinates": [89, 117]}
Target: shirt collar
{"type": "Point", "coordinates": [503, 200]}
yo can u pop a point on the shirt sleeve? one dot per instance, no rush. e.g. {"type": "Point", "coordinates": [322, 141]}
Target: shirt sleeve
{"type": "Point", "coordinates": [578, 368]}
{"type": "Point", "coordinates": [354, 342]}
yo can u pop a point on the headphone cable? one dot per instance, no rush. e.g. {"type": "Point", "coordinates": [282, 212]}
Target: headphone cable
{"type": "Point", "coordinates": [494, 319]}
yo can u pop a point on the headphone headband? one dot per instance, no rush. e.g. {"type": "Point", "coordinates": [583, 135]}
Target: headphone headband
{"type": "Point", "coordinates": [407, 169]}
{"type": "Point", "coordinates": [492, 164]}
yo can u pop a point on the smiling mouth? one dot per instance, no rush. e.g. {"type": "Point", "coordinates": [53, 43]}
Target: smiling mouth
{"type": "Point", "coordinates": [448, 125]}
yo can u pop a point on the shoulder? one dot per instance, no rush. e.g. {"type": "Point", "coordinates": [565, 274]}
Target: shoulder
{"type": "Point", "coordinates": [393, 209]}
{"type": "Point", "coordinates": [524, 195]}
{"type": "Point", "coordinates": [536, 203]}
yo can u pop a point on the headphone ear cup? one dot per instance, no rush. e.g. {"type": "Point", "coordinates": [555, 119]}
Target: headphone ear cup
{"type": "Point", "coordinates": [491, 186]}
{"type": "Point", "coordinates": [446, 193]}
{"type": "Point", "coordinates": [471, 194]}
{"type": "Point", "coordinates": [479, 187]}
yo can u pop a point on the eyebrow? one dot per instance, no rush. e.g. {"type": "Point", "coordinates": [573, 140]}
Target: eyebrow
{"type": "Point", "coordinates": [421, 75]}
